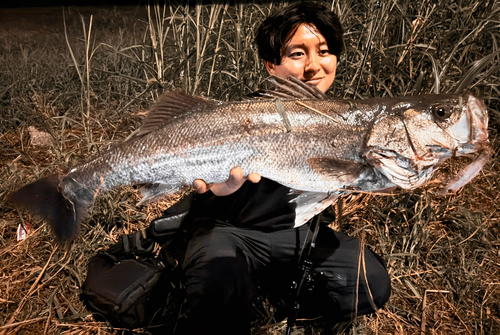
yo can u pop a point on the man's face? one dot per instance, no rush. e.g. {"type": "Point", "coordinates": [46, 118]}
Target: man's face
{"type": "Point", "coordinates": [306, 57]}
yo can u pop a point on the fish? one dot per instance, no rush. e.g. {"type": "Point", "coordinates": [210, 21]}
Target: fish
{"type": "Point", "coordinates": [293, 134]}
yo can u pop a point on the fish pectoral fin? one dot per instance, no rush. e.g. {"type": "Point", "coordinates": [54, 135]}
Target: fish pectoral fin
{"type": "Point", "coordinates": [345, 170]}
{"type": "Point", "coordinates": [168, 106]}
{"type": "Point", "coordinates": [155, 191]}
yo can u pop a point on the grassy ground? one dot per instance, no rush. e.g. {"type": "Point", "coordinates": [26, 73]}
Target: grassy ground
{"type": "Point", "coordinates": [69, 91]}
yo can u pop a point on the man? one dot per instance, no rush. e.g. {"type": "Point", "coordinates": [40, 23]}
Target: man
{"type": "Point", "coordinates": [242, 231]}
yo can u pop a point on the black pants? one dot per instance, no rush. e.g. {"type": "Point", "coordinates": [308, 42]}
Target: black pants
{"type": "Point", "coordinates": [225, 266]}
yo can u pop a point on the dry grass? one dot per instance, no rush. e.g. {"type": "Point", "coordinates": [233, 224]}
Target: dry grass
{"type": "Point", "coordinates": [90, 90]}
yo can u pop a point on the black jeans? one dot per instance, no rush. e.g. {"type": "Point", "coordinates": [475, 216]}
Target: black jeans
{"type": "Point", "coordinates": [226, 265]}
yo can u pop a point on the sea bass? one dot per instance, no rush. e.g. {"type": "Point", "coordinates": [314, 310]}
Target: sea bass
{"type": "Point", "coordinates": [294, 135]}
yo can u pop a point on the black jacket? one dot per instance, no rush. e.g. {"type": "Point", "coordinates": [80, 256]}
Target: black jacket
{"type": "Point", "coordinates": [264, 206]}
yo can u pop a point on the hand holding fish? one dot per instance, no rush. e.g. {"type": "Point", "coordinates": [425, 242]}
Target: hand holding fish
{"type": "Point", "coordinates": [231, 185]}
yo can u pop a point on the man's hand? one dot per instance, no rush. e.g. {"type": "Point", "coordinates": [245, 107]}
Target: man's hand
{"type": "Point", "coordinates": [231, 185]}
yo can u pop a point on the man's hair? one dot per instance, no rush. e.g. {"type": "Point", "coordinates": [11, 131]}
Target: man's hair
{"type": "Point", "coordinates": [276, 31]}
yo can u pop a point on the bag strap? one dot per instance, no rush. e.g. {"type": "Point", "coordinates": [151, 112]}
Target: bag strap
{"type": "Point", "coordinates": [133, 244]}
{"type": "Point", "coordinates": [137, 242]}
{"type": "Point", "coordinates": [161, 231]}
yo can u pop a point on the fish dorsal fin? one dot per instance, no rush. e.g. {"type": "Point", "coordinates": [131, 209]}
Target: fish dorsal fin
{"type": "Point", "coordinates": [168, 106]}
{"type": "Point", "coordinates": [290, 88]}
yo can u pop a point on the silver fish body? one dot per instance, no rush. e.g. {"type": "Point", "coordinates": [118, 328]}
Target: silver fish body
{"type": "Point", "coordinates": [299, 139]}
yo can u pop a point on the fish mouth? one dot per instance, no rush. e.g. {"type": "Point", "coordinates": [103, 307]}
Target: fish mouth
{"type": "Point", "coordinates": [471, 130]}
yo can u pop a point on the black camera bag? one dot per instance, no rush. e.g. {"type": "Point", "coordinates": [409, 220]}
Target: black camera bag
{"type": "Point", "coordinates": [129, 284]}
{"type": "Point", "coordinates": [127, 293]}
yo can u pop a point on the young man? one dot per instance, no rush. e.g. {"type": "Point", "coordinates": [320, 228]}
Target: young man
{"type": "Point", "coordinates": [243, 236]}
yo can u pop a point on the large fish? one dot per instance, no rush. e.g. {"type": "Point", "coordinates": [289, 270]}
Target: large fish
{"type": "Point", "coordinates": [294, 135]}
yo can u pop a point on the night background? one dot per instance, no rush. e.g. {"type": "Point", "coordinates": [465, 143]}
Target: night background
{"type": "Point", "coordinates": [78, 77]}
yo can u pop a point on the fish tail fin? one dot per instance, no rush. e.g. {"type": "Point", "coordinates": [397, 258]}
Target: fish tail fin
{"type": "Point", "coordinates": [44, 198]}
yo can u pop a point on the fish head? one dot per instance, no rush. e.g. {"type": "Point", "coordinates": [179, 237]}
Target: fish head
{"type": "Point", "coordinates": [414, 135]}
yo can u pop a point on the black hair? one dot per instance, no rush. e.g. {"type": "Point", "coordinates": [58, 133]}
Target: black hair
{"type": "Point", "coordinates": [276, 31]}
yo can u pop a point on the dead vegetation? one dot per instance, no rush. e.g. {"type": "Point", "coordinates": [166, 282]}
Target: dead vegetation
{"type": "Point", "coordinates": [84, 86]}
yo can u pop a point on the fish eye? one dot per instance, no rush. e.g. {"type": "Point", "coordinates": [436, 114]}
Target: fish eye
{"type": "Point", "coordinates": [440, 112]}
